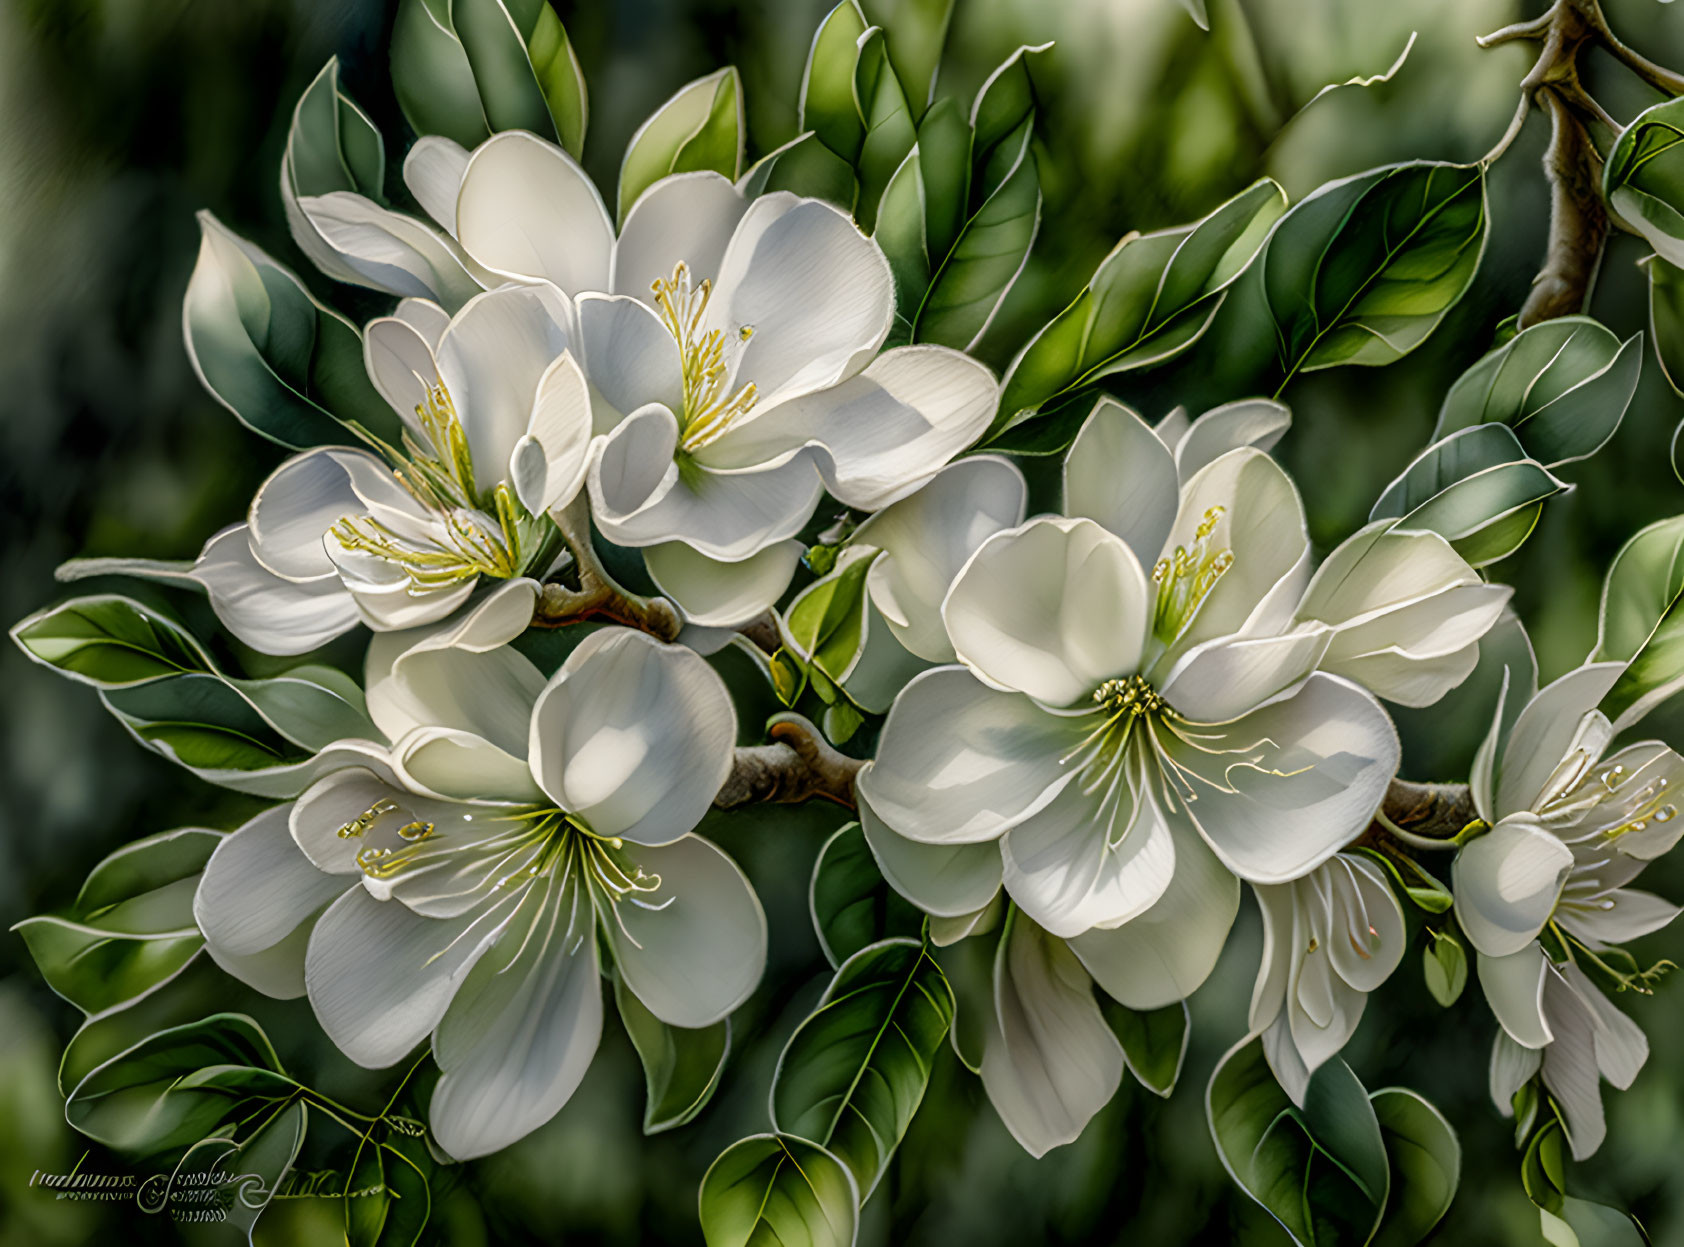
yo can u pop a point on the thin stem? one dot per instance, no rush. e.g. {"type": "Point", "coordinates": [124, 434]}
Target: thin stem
{"type": "Point", "coordinates": [598, 594]}
{"type": "Point", "coordinates": [1410, 838]}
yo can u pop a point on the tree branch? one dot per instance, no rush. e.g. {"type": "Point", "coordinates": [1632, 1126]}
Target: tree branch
{"type": "Point", "coordinates": [1578, 221]}
{"type": "Point", "coordinates": [599, 596]}
{"type": "Point", "coordinates": [797, 765]}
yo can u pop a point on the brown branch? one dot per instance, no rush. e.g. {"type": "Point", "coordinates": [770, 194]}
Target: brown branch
{"type": "Point", "coordinates": [763, 632]}
{"type": "Point", "coordinates": [1578, 221]}
{"type": "Point", "coordinates": [797, 765]}
{"type": "Point", "coordinates": [1437, 811]}
{"type": "Point", "coordinates": [599, 596]}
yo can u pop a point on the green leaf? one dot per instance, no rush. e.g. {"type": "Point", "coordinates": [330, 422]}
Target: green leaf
{"type": "Point", "coordinates": [1563, 386]}
{"type": "Point", "coordinates": [1426, 1163]}
{"type": "Point", "coordinates": [889, 130]}
{"type": "Point", "coordinates": [1643, 581]}
{"type": "Point", "coordinates": [1154, 1041]}
{"type": "Point", "coordinates": [332, 145]}
{"type": "Point", "coordinates": [852, 904]}
{"type": "Point", "coordinates": [178, 1086]}
{"type": "Point", "coordinates": [1643, 178]}
{"type": "Point", "coordinates": [525, 72]}
{"type": "Point", "coordinates": [770, 1188]}
{"type": "Point", "coordinates": [828, 104]}
{"type": "Point", "coordinates": [1149, 300]}
{"type": "Point", "coordinates": [131, 929]}
{"type": "Point", "coordinates": [1654, 674]}
{"type": "Point", "coordinates": [700, 127]}
{"type": "Point", "coordinates": [258, 1152]}
{"type": "Point", "coordinates": [826, 621]}
{"type": "Point", "coordinates": [681, 1067]}
{"type": "Point", "coordinates": [109, 641]}
{"type": "Point", "coordinates": [431, 75]}
{"type": "Point", "coordinates": [1477, 488]}
{"type": "Point", "coordinates": [288, 367]}
{"type": "Point", "coordinates": [917, 29]}
{"type": "Point", "coordinates": [1005, 102]}
{"type": "Point", "coordinates": [803, 166]}
{"type": "Point", "coordinates": [388, 1199]}
{"type": "Point", "coordinates": [1362, 270]}
{"type": "Point", "coordinates": [853, 1073]}
{"type": "Point", "coordinates": [1444, 964]}
{"type": "Point", "coordinates": [1666, 318]}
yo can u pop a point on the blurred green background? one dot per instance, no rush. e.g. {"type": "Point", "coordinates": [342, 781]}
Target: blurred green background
{"type": "Point", "coordinates": [120, 118]}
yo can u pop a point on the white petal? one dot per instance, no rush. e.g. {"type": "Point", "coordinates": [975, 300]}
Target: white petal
{"type": "Point", "coordinates": [1164, 954]}
{"type": "Point", "coordinates": [694, 949]}
{"type": "Point", "coordinates": [433, 173]}
{"type": "Point", "coordinates": [1622, 1049]}
{"type": "Point", "coordinates": [1623, 914]}
{"type": "Point", "coordinates": [520, 1033]}
{"type": "Point", "coordinates": [1256, 422]}
{"type": "Point", "coordinates": [1512, 1067]}
{"type": "Point", "coordinates": [1288, 784]}
{"type": "Point", "coordinates": [496, 619]}
{"type": "Point", "coordinates": [492, 358]}
{"type": "Point", "coordinates": [337, 817]}
{"type": "Point", "coordinates": [722, 595]}
{"type": "Point", "coordinates": [1051, 1062]}
{"type": "Point", "coordinates": [960, 762]}
{"type": "Point", "coordinates": [307, 495]}
{"type": "Point", "coordinates": [548, 464]}
{"type": "Point", "coordinates": [1088, 859]}
{"type": "Point", "coordinates": [630, 358]}
{"type": "Point", "coordinates": [1368, 938]}
{"type": "Point", "coordinates": [400, 362]}
{"type": "Point", "coordinates": [452, 764]}
{"type": "Point", "coordinates": [884, 431]}
{"type": "Point", "coordinates": [1514, 988]}
{"type": "Point", "coordinates": [487, 692]}
{"type": "Point", "coordinates": [380, 976]}
{"type": "Point", "coordinates": [526, 209]}
{"type": "Point", "coordinates": [1051, 609]}
{"type": "Point", "coordinates": [272, 615]}
{"type": "Point", "coordinates": [1274, 969]}
{"type": "Point", "coordinates": [1547, 731]}
{"type": "Point", "coordinates": [1120, 474]}
{"type": "Point", "coordinates": [1570, 1068]}
{"type": "Point", "coordinates": [1280, 1049]}
{"type": "Point", "coordinates": [1506, 884]}
{"type": "Point", "coordinates": [258, 890]}
{"type": "Point", "coordinates": [926, 538]}
{"type": "Point", "coordinates": [634, 736]}
{"type": "Point", "coordinates": [353, 239]}
{"type": "Point", "coordinates": [1227, 676]}
{"type": "Point", "coordinates": [688, 218]}
{"type": "Point", "coordinates": [817, 293]}
{"type": "Point", "coordinates": [946, 880]}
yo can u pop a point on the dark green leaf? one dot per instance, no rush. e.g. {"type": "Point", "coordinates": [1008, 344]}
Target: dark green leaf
{"type": "Point", "coordinates": [109, 641]}
{"type": "Point", "coordinates": [1426, 1162]}
{"type": "Point", "coordinates": [431, 75]}
{"type": "Point", "coordinates": [524, 69]}
{"type": "Point", "coordinates": [851, 903]}
{"type": "Point", "coordinates": [1666, 318]}
{"type": "Point", "coordinates": [768, 1189]}
{"type": "Point", "coordinates": [889, 129]}
{"type": "Point", "coordinates": [681, 1067]}
{"type": "Point", "coordinates": [1643, 178]}
{"type": "Point", "coordinates": [1642, 582]}
{"type": "Point", "coordinates": [853, 1073]}
{"type": "Point", "coordinates": [916, 29]}
{"type": "Point", "coordinates": [1154, 1042]}
{"type": "Point", "coordinates": [804, 166]}
{"type": "Point", "coordinates": [828, 106]}
{"type": "Point", "coordinates": [257, 1153]}
{"type": "Point", "coordinates": [332, 145]}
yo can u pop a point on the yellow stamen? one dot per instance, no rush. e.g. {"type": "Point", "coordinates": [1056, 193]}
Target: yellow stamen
{"type": "Point", "coordinates": [708, 409]}
{"type": "Point", "coordinates": [1185, 578]}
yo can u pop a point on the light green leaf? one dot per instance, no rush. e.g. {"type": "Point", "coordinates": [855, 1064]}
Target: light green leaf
{"type": "Point", "coordinates": [770, 1188]}
{"type": "Point", "coordinates": [1563, 386]}
{"type": "Point", "coordinates": [700, 127]}
{"type": "Point", "coordinates": [287, 366]}
{"type": "Point", "coordinates": [1643, 178]}
{"type": "Point", "coordinates": [109, 641]}
{"type": "Point", "coordinates": [131, 929]}
{"type": "Point", "coordinates": [178, 1086]}
{"type": "Point", "coordinates": [829, 107]}
{"type": "Point", "coordinates": [681, 1067]}
{"type": "Point", "coordinates": [1362, 270]}
{"type": "Point", "coordinates": [889, 128]}
{"type": "Point", "coordinates": [826, 621]}
{"type": "Point", "coordinates": [851, 903]}
{"type": "Point", "coordinates": [1444, 964]}
{"type": "Point", "coordinates": [332, 145]}
{"type": "Point", "coordinates": [1643, 581]}
{"type": "Point", "coordinates": [1154, 1042]}
{"type": "Point", "coordinates": [525, 72]}
{"type": "Point", "coordinates": [1149, 300]}
{"type": "Point", "coordinates": [1654, 674]}
{"type": "Point", "coordinates": [917, 29]}
{"type": "Point", "coordinates": [853, 1073]}
{"type": "Point", "coordinates": [1196, 11]}
{"type": "Point", "coordinates": [1477, 488]}
{"type": "Point", "coordinates": [1666, 318]}
{"type": "Point", "coordinates": [1426, 1163]}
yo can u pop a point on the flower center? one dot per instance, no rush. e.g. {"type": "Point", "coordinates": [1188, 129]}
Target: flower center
{"type": "Point", "coordinates": [1609, 785]}
{"type": "Point", "coordinates": [463, 541]}
{"type": "Point", "coordinates": [1131, 696]}
{"type": "Point", "coordinates": [1185, 578]}
{"type": "Point", "coordinates": [709, 410]}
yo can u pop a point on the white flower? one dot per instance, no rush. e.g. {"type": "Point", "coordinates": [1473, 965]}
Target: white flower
{"type": "Point", "coordinates": [496, 415]}
{"type": "Point", "coordinates": [1329, 939]}
{"type": "Point", "coordinates": [732, 351]}
{"type": "Point", "coordinates": [458, 883]}
{"type": "Point", "coordinates": [1571, 829]}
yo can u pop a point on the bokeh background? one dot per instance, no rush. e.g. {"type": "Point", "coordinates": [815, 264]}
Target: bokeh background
{"type": "Point", "coordinates": [120, 118]}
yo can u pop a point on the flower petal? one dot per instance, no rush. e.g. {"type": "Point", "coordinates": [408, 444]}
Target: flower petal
{"type": "Point", "coordinates": [1512, 1067]}
{"type": "Point", "coordinates": [433, 173]}
{"type": "Point", "coordinates": [353, 239]}
{"type": "Point", "coordinates": [1514, 988]}
{"type": "Point", "coordinates": [1280, 790]}
{"type": "Point", "coordinates": [1548, 730]}
{"type": "Point", "coordinates": [817, 293]}
{"type": "Point", "coordinates": [1227, 676]}
{"type": "Point", "coordinates": [307, 495]}
{"type": "Point", "coordinates": [633, 736]}
{"type": "Point", "coordinates": [630, 358]}
{"type": "Point", "coordinates": [1506, 884]}
{"type": "Point", "coordinates": [960, 762]}
{"type": "Point", "coordinates": [1051, 1061]}
{"type": "Point", "coordinates": [1367, 941]}
{"type": "Point", "coordinates": [927, 537]}
{"type": "Point", "coordinates": [1051, 609]}
{"type": "Point", "coordinates": [451, 764]}
{"type": "Point", "coordinates": [268, 613]}
{"type": "Point", "coordinates": [1119, 474]}
{"type": "Point", "coordinates": [722, 595]}
{"type": "Point", "coordinates": [487, 692]}
{"type": "Point", "coordinates": [1256, 422]}
{"type": "Point", "coordinates": [548, 465]}
{"type": "Point", "coordinates": [379, 976]}
{"type": "Point", "coordinates": [1165, 953]}
{"type": "Point", "coordinates": [946, 880]}
{"type": "Point", "coordinates": [400, 362]}
{"type": "Point", "coordinates": [521, 1030]}
{"type": "Point", "coordinates": [688, 218]}
{"type": "Point", "coordinates": [345, 812]}
{"type": "Point", "coordinates": [693, 950]}
{"type": "Point", "coordinates": [1570, 1068]}
{"type": "Point", "coordinates": [526, 209]}
{"type": "Point", "coordinates": [1619, 916]}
